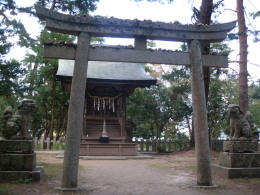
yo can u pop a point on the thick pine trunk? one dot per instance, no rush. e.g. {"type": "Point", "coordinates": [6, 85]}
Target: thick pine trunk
{"type": "Point", "coordinates": [243, 86]}
{"type": "Point", "coordinates": [206, 9]}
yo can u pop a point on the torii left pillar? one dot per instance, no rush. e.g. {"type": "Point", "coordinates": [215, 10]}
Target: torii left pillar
{"type": "Point", "coordinates": [200, 116]}
{"type": "Point", "coordinates": [75, 115]}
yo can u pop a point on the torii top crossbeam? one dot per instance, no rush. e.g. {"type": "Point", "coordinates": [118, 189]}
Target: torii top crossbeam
{"type": "Point", "coordinates": [114, 27]}
{"type": "Point", "coordinates": [140, 30]}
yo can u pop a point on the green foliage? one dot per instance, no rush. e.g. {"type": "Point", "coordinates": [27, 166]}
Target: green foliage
{"type": "Point", "coordinates": [10, 72]}
{"type": "Point", "coordinates": [184, 47]}
{"type": "Point", "coordinates": [51, 170]}
{"type": "Point", "coordinates": [71, 6]}
{"type": "Point", "coordinates": [220, 48]}
{"type": "Point", "coordinates": [161, 111]}
{"type": "Point", "coordinates": [190, 167]}
{"type": "Point", "coordinates": [222, 93]}
{"type": "Point", "coordinates": [255, 14]}
{"type": "Point", "coordinates": [52, 103]}
{"type": "Point", "coordinates": [254, 102]}
{"type": "Point", "coordinates": [180, 90]}
{"type": "Point", "coordinates": [6, 189]}
{"type": "Point", "coordinates": [150, 111]}
{"type": "Point", "coordinates": [25, 181]}
{"type": "Point", "coordinates": [151, 44]}
{"type": "Point", "coordinates": [4, 102]}
{"type": "Point", "coordinates": [233, 36]}
{"type": "Point", "coordinates": [161, 148]}
{"type": "Point", "coordinates": [158, 165]}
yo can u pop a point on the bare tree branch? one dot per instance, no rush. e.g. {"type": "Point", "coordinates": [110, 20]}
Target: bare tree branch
{"type": "Point", "coordinates": [254, 64]}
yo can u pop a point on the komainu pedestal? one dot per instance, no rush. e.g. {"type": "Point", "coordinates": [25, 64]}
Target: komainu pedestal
{"type": "Point", "coordinates": [18, 161]}
{"type": "Point", "coordinates": [240, 146]}
{"type": "Point", "coordinates": [238, 159]}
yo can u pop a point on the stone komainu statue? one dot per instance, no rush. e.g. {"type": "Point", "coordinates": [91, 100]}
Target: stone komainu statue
{"type": "Point", "coordinates": [15, 126]}
{"type": "Point", "coordinates": [240, 127]}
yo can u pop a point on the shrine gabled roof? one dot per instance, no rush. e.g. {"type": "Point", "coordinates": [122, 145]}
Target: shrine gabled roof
{"type": "Point", "coordinates": [108, 72]}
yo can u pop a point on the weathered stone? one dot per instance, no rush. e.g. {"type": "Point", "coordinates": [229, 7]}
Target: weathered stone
{"type": "Point", "coordinates": [76, 109]}
{"type": "Point", "coordinates": [114, 27]}
{"type": "Point", "coordinates": [134, 55]}
{"type": "Point", "coordinates": [35, 175]}
{"type": "Point", "coordinates": [23, 146]}
{"type": "Point", "coordinates": [231, 173]}
{"type": "Point", "coordinates": [200, 116]}
{"type": "Point", "coordinates": [17, 162]}
{"type": "Point", "coordinates": [240, 146]}
{"type": "Point", "coordinates": [15, 126]}
{"type": "Point", "coordinates": [239, 160]}
{"type": "Point", "coordinates": [240, 127]}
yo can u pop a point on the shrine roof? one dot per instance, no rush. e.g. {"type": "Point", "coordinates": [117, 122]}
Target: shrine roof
{"type": "Point", "coordinates": [108, 72]}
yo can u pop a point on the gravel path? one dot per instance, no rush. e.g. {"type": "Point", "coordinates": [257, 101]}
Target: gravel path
{"type": "Point", "coordinates": [134, 177]}
{"type": "Point", "coordinates": [173, 174]}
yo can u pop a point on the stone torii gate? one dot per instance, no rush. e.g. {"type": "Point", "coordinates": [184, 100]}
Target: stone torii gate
{"type": "Point", "coordinates": [87, 26]}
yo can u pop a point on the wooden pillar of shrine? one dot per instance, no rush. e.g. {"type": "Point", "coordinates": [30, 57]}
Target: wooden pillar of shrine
{"type": "Point", "coordinates": [123, 116]}
{"type": "Point", "coordinates": [76, 109]}
{"type": "Point", "coordinates": [200, 116]}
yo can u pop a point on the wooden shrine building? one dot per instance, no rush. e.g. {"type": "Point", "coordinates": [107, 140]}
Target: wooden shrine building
{"type": "Point", "coordinates": [108, 84]}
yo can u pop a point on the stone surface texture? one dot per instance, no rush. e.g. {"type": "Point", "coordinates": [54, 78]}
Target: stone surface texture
{"type": "Point", "coordinates": [232, 173]}
{"type": "Point", "coordinates": [18, 161]}
{"type": "Point", "coordinates": [121, 54]}
{"type": "Point", "coordinates": [236, 160]}
{"type": "Point", "coordinates": [76, 108]}
{"type": "Point", "coordinates": [114, 27]}
{"type": "Point", "coordinates": [200, 116]}
{"type": "Point", "coordinates": [23, 146]}
{"type": "Point", "coordinates": [36, 175]}
{"type": "Point", "coordinates": [241, 130]}
{"type": "Point", "coordinates": [239, 159]}
{"type": "Point", "coordinates": [15, 125]}
{"type": "Point", "coordinates": [240, 146]}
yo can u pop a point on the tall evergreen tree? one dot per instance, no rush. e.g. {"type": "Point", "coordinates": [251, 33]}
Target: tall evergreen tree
{"type": "Point", "coordinates": [243, 73]}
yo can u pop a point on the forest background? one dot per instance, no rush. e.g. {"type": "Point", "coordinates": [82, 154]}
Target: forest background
{"type": "Point", "coordinates": [160, 112]}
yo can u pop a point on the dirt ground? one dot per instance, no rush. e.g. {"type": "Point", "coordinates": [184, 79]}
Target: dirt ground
{"type": "Point", "coordinates": [163, 175]}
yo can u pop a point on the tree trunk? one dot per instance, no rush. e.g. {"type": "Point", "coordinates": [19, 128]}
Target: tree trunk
{"type": "Point", "coordinates": [242, 35]}
{"type": "Point", "coordinates": [206, 9]}
{"type": "Point", "coordinates": [52, 109]}
{"type": "Point", "coordinates": [191, 131]}
{"type": "Point", "coordinates": [33, 75]}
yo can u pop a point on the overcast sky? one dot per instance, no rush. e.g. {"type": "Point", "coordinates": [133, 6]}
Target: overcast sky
{"type": "Point", "coordinates": [180, 11]}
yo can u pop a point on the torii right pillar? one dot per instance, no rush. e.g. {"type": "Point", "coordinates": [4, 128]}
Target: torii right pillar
{"type": "Point", "coordinates": [201, 133]}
